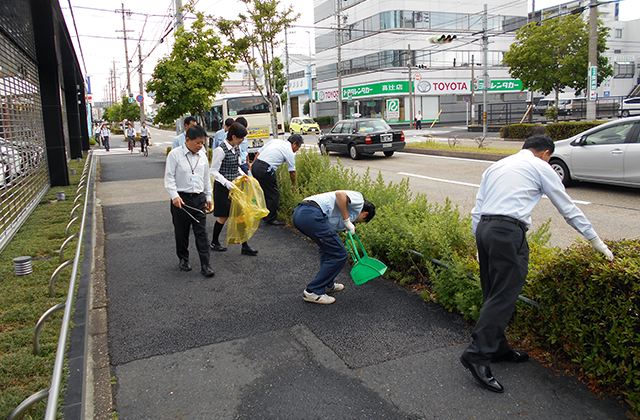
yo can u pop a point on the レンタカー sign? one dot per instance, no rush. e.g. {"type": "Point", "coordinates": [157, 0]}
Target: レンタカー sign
{"type": "Point", "coordinates": [502, 85]}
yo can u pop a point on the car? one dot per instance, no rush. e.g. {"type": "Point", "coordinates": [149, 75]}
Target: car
{"type": "Point", "coordinates": [565, 107]}
{"type": "Point", "coordinates": [630, 106]}
{"type": "Point", "coordinates": [362, 136]}
{"type": "Point", "coordinates": [608, 153]}
{"type": "Point", "coordinates": [304, 126]}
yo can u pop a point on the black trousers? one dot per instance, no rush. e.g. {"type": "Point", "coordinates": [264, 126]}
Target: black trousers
{"type": "Point", "coordinates": [182, 223]}
{"type": "Point", "coordinates": [269, 184]}
{"type": "Point", "coordinates": [504, 263]}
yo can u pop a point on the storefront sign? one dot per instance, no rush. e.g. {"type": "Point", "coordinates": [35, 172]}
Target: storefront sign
{"type": "Point", "coordinates": [504, 85]}
{"type": "Point", "coordinates": [327, 95]}
{"type": "Point", "coordinates": [393, 109]}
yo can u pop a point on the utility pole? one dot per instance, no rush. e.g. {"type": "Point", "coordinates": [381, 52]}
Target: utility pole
{"type": "Point", "coordinates": [115, 86]}
{"type": "Point", "coordinates": [339, 64]}
{"type": "Point", "coordinates": [286, 58]}
{"type": "Point", "coordinates": [141, 85]}
{"type": "Point", "coordinates": [473, 89]}
{"type": "Point", "coordinates": [126, 51]}
{"type": "Point", "coordinates": [593, 60]}
{"type": "Point", "coordinates": [179, 22]}
{"type": "Point", "coordinates": [411, 93]}
{"type": "Point", "coordinates": [485, 76]}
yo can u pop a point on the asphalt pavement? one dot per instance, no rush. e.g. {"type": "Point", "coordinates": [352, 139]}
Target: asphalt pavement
{"type": "Point", "coordinates": [244, 345]}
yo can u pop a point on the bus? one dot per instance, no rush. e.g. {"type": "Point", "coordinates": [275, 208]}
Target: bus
{"type": "Point", "coordinates": [254, 108]}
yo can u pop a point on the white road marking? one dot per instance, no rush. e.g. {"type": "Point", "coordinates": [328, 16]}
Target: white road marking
{"type": "Point", "coordinates": [114, 151]}
{"type": "Point", "coordinates": [469, 184]}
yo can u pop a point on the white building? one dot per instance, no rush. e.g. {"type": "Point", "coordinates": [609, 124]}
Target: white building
{"type": "Point", "coordinates": [381, 38]}
{"type": "Point", "coordinates": [302, 74]}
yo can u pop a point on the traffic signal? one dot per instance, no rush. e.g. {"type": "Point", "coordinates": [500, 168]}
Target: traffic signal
{"type": "Point", "coordinates": [421, 66]}
{"type": "Point", "coordinates": [443, 39]}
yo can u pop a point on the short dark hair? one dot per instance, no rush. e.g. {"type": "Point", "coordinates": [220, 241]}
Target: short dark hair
{"type": "Point", "coordinates": [228, 122]}
{"type": "Point", "coordinates": [195, 132]}
{"type": "Point", "coordinates": [188, 120]}
{"type": "Point", "coordinates": [296, 139]}
{"type": "Point", "coordinates": [237, 130]}
{"type": "Point", "coordinates": [243, 121]}
{"type": "Point", "coordinates": [370, 208]}
{"type": "Point", "coordinates": [539, 143]}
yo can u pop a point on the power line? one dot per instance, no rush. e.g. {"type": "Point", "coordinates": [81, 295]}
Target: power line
{"type": "Point", "coordinates": [78, 37]}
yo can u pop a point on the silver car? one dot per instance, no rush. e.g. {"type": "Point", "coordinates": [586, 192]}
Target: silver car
{"type": "Point", "coordinates": [630, 106]}
{"type": "Point", "coordinates": [608, 153]}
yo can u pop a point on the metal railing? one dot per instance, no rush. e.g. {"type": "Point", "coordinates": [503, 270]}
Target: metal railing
{"type": "Point", "coordinates": [53, 392]}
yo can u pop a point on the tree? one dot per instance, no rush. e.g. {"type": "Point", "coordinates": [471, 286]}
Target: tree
{"type": "Point", "coordinates": [258, 31]}
{"type": "Point", "coordinates": [112, 113]}
{"type": "Point", "coordinates": [185, 81]}
{"type": "Point", "coordinates": [553, 55]}
{"type": "Point", "coordinates": [306, 107]}
{"type": "Point", "coordinates": [128, 110]}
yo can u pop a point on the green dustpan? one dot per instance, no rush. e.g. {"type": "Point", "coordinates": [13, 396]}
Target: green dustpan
{"type": "Point", "coordinates": [365, 268]}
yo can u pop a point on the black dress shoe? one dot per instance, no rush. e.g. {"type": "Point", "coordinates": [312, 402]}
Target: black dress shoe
{"type": "Point", "coordinates": [218, 247]}
{"type": "Point", "coordinates": [483, 376]}
{"type": "Point", "coordinates": [184, 265]}
{"type": "Point", "coordinates": [207, 271]}
{"type": "Point", "coordinates": [513, 356]}
{"type": "Point", "coordinates": [276, 223]}
{"type": "Point", "coordinates": [247, 250]}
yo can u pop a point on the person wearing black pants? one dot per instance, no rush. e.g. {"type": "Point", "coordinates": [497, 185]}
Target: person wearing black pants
{"type": "Point", "coordinates": [186, 179]}
{"type": "Point", "coordinates": [509, 190]}
{"type": "Point", "coordinates": [265, 164]}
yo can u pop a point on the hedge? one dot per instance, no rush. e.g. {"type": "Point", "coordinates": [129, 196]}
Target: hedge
{"type": "Point", "coordinates": [326, 120]}
{"type": "Point", "coordinates": [557, 131]}
{"type": "Point", "coordinates": [594, 305]}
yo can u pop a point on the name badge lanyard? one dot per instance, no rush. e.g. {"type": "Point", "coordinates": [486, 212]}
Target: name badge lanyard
{"type": "Point", "coordinates": [193, 168]}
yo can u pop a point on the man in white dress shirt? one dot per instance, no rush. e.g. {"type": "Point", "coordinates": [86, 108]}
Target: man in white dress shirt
{"type": "Point", "coordinates": [186, 179]}
{"type": "Point", "coordinates": [267, 160]}
{"type": "Point", "coordinates": [509, 191]}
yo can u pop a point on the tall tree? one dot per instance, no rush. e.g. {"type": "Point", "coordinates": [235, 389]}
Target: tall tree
{"type": "Point", "coordinates": [553, 55]}
{"type": "Point", "coordinates": [186, 81]}
{"type": "Point", "coordinates": [259, 30]}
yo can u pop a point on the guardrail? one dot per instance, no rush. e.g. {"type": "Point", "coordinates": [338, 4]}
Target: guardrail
{"type": "Point", "coordinates": [53, 392]}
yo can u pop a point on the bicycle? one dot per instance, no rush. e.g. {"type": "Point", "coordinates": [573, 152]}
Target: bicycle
{"type": "Point", "coordinates": [145, 146]}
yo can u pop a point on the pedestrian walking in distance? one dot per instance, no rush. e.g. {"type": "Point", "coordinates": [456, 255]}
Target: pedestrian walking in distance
{"type": "Point", "coordinates": [419, 120]}
{"type": "Point", "coordinates": [187, 180]}
{"type": "Point", "coordinates": [105, 133]}
{"type": "Point", "coordinates": [509, 191]}
{"type": "Point", "coordinates": [320, 217]}
{"type": "Point", "coordinates": [267, 160]}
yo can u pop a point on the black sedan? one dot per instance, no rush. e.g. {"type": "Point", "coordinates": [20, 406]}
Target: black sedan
{"type": "Point", "coordinates": [362, 137]}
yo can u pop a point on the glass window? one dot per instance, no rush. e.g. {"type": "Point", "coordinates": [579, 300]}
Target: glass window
{"type": "Point", "coordinates": [618, 33]}
{"type": "Point", "coordinates": [611, 135]}
{"type": "Point", "coordinates": [337, 128]}
{"type": "Point", "coordinates": [390, 20]}
{"type": "Point", "coordinates": [323, 10]}
{"type": "Point", "coordinates": [408, 19]}
{"type": "Point", "coordinates": [443, 21]}
{"type": "Point", "coordinates": [623, 70]}
{"type": "Point", "coordinates": [475, 23]}
{"type": "Point", "coordinates": [325, 41]}
{"type": "Point", "coordinates": [347, 128]}
{"type": "Point", "coordinates": [248, 105]}
{"type": "Point", "coordinates": [373, 126]}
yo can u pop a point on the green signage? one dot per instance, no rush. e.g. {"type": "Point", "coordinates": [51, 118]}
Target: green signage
{"type": "Point", "coordinates": [383, 88]}
{"type": "Point", "coordinates": [502, 85]}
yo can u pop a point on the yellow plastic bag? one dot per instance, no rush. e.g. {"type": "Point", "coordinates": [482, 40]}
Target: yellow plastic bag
{"type": "Point", "coordinates": [247, 208]}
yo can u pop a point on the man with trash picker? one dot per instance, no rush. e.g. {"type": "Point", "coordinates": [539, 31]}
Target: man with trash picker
{"type": "Point", "coordinates": [320, 217]}
{"type": "Point", "coordinates": [264, 166]}
{"type": "Point", "coordinates": [187, 180]}
{"type": "Point", "coordinates": [509, 190]}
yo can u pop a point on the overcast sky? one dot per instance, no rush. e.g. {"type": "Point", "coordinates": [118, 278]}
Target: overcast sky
{"type": "Point", "coordinates": [100, 30]}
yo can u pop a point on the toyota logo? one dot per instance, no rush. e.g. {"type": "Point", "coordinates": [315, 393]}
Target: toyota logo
{"type": "Point", "coordinates": [424, 86]}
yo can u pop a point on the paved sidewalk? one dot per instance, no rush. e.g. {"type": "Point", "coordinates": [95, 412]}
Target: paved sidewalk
{"type": "Point", "coordinates": [245, 345]}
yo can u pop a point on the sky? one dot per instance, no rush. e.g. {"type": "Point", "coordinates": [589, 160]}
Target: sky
{"type": "Point", "coordinates": [100, 28]}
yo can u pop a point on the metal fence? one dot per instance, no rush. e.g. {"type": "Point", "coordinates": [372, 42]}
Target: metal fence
{"type": "Point", "coordinates": [24, 176]}
{"type": "Point", "coordinates": [81, 201]}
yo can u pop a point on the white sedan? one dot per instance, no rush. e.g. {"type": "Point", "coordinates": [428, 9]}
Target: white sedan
{"type": "Point", "coordinates": [608, 153]}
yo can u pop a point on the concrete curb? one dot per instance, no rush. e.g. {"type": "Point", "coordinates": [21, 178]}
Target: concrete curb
{"type": "Point", "coordinates": [455, 153]}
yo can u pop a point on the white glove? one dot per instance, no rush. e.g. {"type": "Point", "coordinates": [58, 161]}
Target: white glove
{"type": "Point", "coordinates": [230, 186]}
{"type": "Point", "coordinates": [601, 247]}
{"type": "Point", "coordinates": [349, 226]}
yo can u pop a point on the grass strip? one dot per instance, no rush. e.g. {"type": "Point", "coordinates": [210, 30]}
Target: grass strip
{"type": "Point", "coordinates": [432, 144]}
{"type": "Point", "coordinates": [24, 299]}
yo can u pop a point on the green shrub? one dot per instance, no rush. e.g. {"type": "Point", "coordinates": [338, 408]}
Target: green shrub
{"type": "Point", "coordinates": [521, 131]}
{"type": "Point", "coordinates": [551, 112]}
{"type": "Point", "coordinates": [564, 130]}
{"type": "Point", "coordinates": [326, 120]}
{"type": "Point", "coordinates": [592, 313]}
